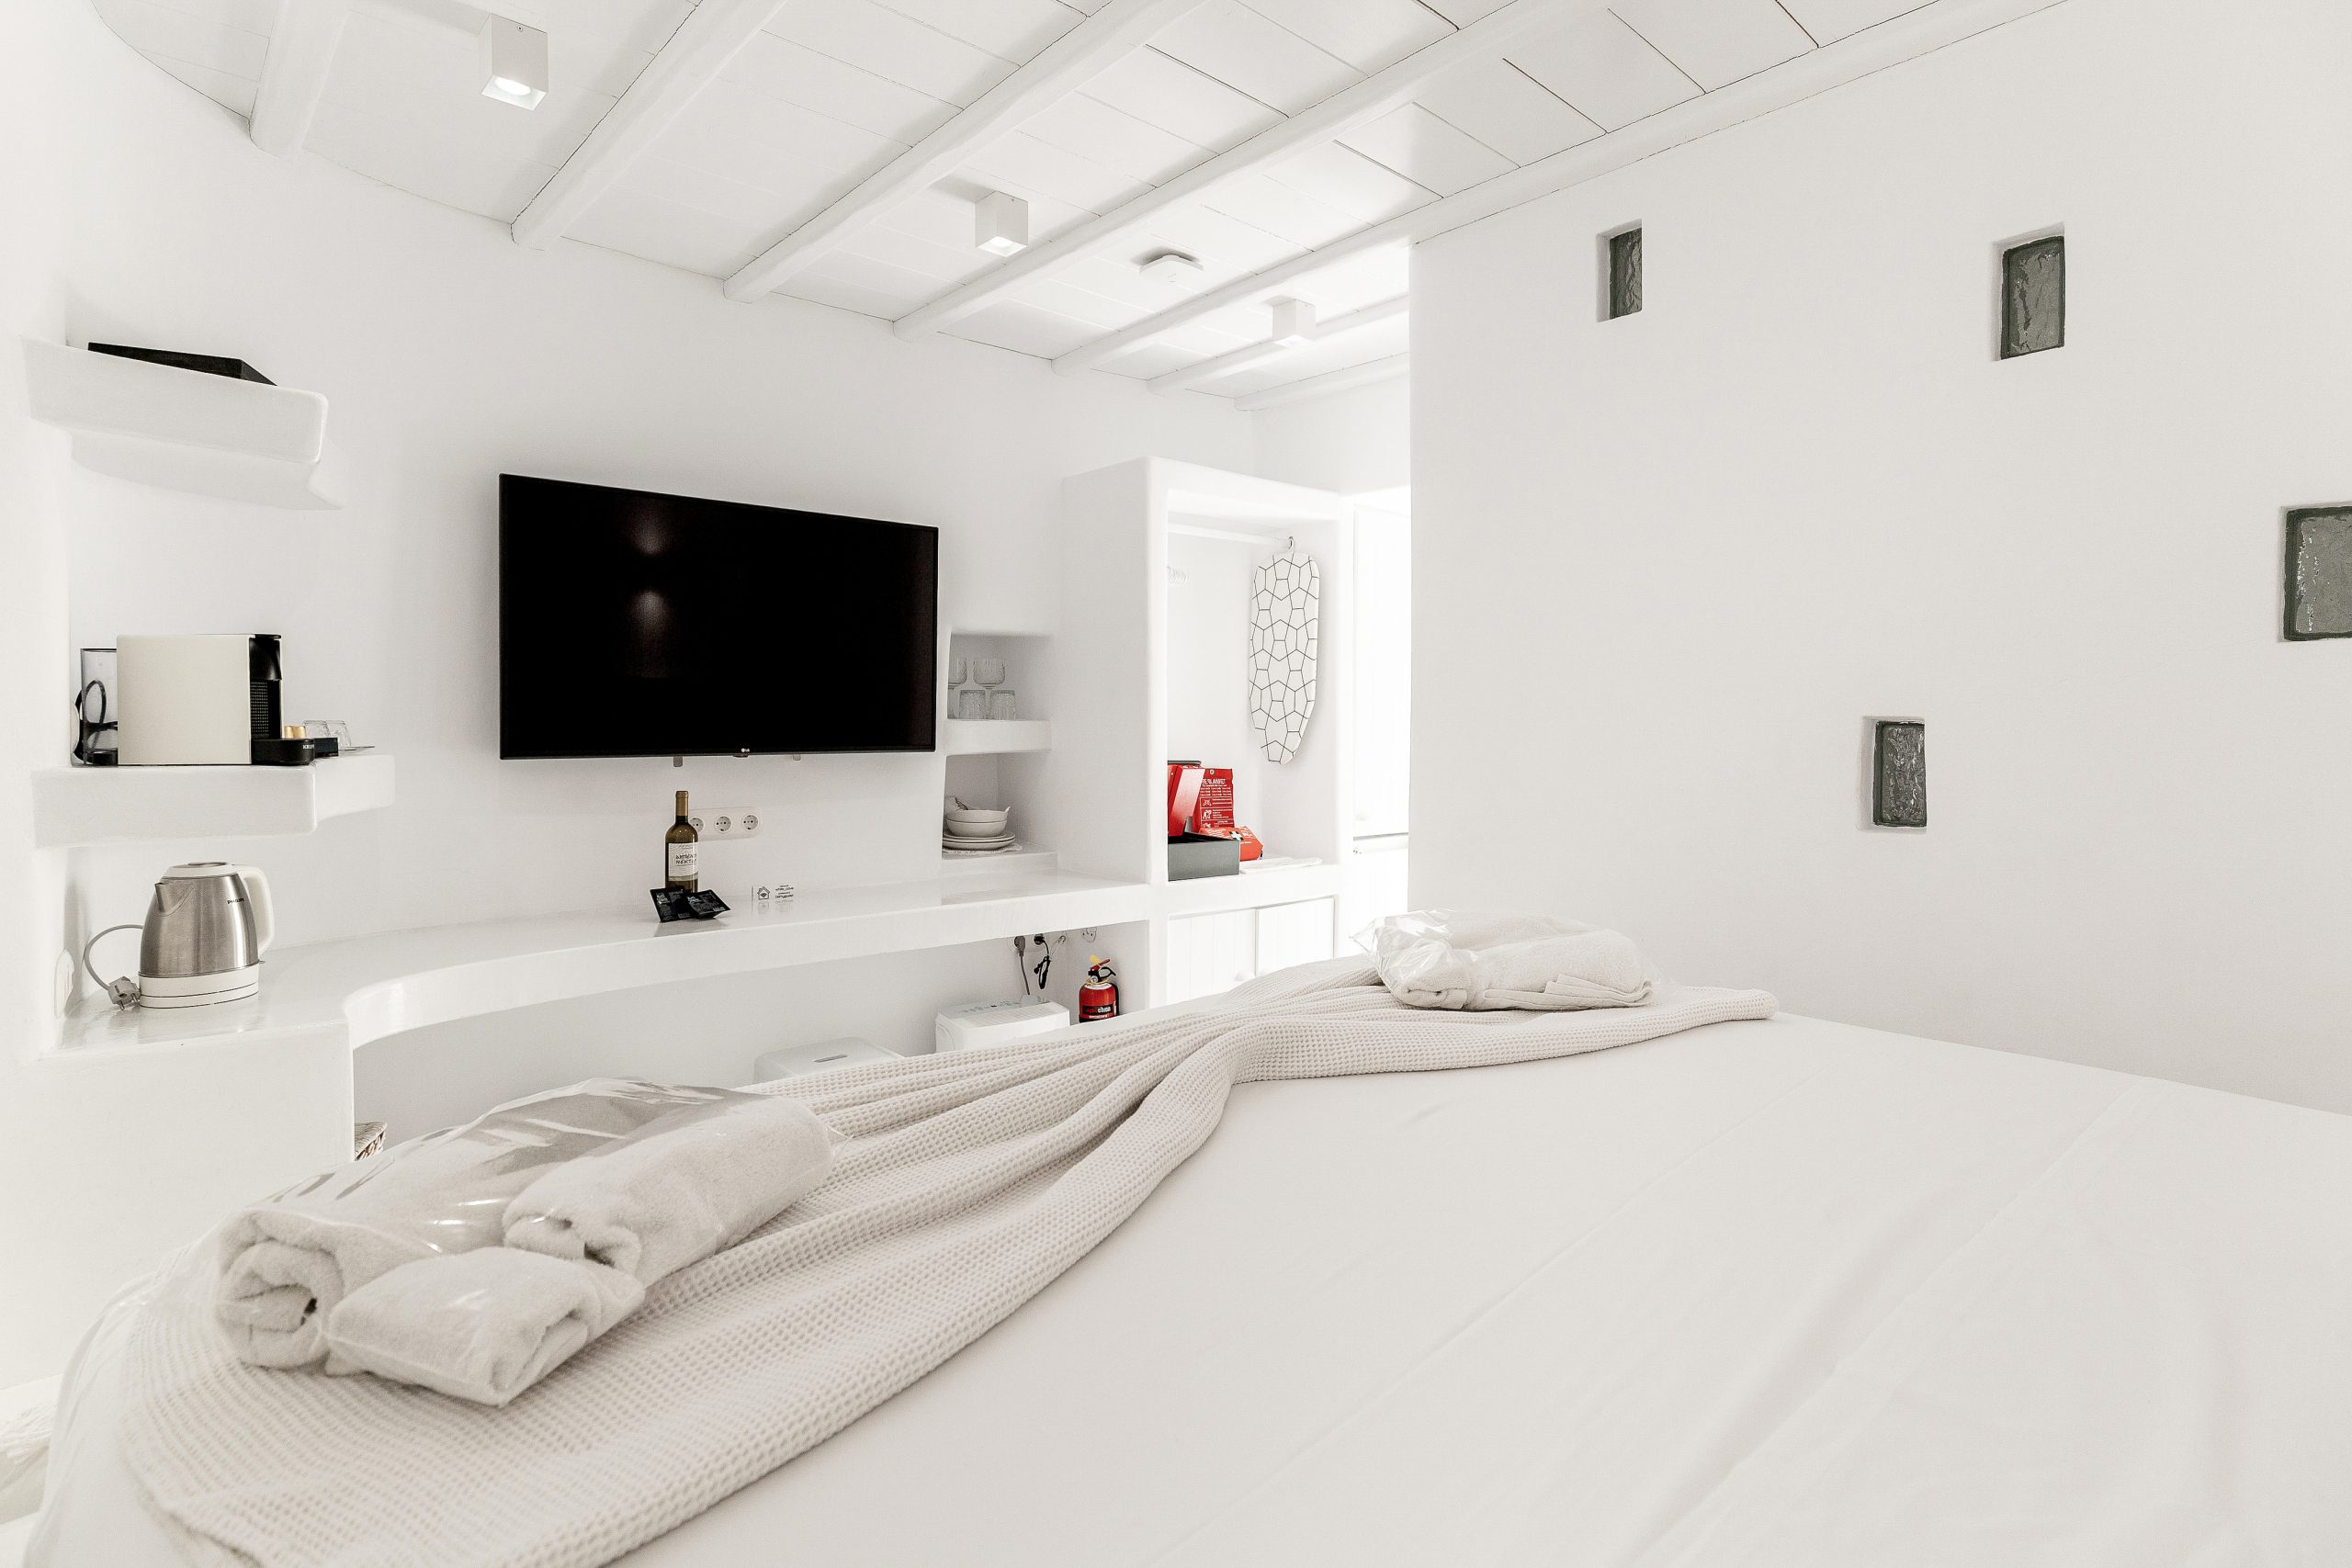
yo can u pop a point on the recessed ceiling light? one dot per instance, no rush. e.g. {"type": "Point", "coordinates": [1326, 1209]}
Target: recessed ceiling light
{"type": "Point", "coordinates": [1000, 225]}
{"type": "Point", "coordinates": [513, 63]}
{"type": "Point", "coordinates": [1173, 269]}
{"type": "Point", "coordinates": [1294, 322]}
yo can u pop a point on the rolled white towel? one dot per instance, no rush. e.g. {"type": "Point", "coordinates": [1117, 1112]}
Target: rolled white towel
{"type": "Point", "coordinates": [1443, 958]}
{"type": "Point", "coordinates": [674, 1193]}
{"type": "Point", "coordinates": [481, 1326]}
{"type": "Point", "coordinates": [285, 1262]}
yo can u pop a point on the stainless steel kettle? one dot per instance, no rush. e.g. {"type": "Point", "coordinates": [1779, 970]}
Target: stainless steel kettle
{"type": "Point", "coordinates": [205, 930]}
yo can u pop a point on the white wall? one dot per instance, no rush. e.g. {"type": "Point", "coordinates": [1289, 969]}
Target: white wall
{"type": "Point", "coordinates": [1353, 443]}
{"type": "Point", "coordinates": [36, 1224]}
{"type": "Point", "coordinates": [136, 210]}
{"type": "Point", "coordinates": [1666, 565]}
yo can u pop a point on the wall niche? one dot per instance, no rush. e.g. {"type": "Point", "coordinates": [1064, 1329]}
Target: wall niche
{"type": "Point", "coordinates": [2033, 296]}
{"type": "Point", "coordinates": [1898, 773]}
{"type": "Point", "coordinates": [2319, 572]}
{"type": "Point", "coordinates": [1620, 272]}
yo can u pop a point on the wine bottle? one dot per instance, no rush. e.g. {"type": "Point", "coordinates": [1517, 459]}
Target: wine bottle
{"type": "Point", "coordinates": [682, 852]}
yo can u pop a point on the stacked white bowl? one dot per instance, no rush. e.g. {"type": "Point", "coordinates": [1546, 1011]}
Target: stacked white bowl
{"type": "Point", "coordinates": [976, 829]}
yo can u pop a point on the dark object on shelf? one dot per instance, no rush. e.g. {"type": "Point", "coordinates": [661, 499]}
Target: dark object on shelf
{"type": "Point", "coordinates": [95, 735]}
{"type": "Point", "coordinates": [1624, 274]}
{"type": "Point", "coordinates": [677, 904]}
{"type": "Point", "coordinates": [209, 364]}
{"type": "Point", "coordinates": [325, 746]}
{"type": "Point", "coordinates": [1899, 774]}
{"type": "Point", "coordinates": [2033, 297]}
{"type": "Point", "coordinates": [1193, 856]}
{"type": "Point", "coordinates": [2319, 572]}
{"type": "Point", "coordinates": [282, 753]}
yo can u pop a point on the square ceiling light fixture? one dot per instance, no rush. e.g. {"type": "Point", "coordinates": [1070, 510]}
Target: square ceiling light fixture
{"type": "Point", "coordinates": [513, 63]}
{"type": "Point", "coordinates": [1000, 224]}
{"type": "Point", "coordinates": [1294, 322]}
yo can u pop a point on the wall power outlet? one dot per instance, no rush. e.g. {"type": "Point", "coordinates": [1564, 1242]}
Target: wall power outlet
{"type": "Point", "coordinates": [726, 821]}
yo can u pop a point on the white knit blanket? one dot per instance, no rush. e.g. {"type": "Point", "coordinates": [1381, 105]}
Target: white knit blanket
{"type": "Point", "coordinates": [965, 1184]}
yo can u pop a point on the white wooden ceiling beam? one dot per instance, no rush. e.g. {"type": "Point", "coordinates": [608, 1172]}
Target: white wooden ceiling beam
{"type": "Point", "coordinates": [709, 37]}
{"type": "Point", "coordinates": [1329, 384]}
{"type": "Point", "coordinates": [1336, 116]}
{"type": "Point", "coordinates": [1861, 54]}
{"type": "Point", "coordinates": [1255, 353]}
{"type": "Point", "coordinates": [294, 73]}
{"type": "Point", "coordinates": [1060, 69]}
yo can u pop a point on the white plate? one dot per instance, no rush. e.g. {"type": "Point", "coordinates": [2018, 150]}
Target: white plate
{"type": "Point", "coordinates": [975, 843]}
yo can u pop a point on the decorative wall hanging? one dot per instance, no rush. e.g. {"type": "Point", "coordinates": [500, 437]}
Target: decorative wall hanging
{"type": "Point", "coordinates": [1286, 595]}
{"type": "Point", "coordinates": [1899, 773]}
{"type": "Point", "coordinates": [2319, 572]}
{"type": "Point", "coordinates": [2033, 297]}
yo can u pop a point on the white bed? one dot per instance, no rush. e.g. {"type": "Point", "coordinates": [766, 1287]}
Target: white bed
{"type": "Point", "coordinates": [1785, 1292]}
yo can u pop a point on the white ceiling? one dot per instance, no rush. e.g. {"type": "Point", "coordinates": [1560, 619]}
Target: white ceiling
{"type": "Point", "coordinates": [831, 91]}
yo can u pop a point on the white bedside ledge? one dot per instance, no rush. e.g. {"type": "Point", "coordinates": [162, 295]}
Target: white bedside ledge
{"type": "Point", "coordinates": [367, 988]}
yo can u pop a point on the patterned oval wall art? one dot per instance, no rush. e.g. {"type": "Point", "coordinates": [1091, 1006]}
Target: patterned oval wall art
{"type": "Point", "coordinates": [1284, 596]}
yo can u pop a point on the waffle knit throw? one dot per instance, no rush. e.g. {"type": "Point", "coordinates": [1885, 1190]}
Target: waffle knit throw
{"type": "Point", "coordinates": [963, 1184]}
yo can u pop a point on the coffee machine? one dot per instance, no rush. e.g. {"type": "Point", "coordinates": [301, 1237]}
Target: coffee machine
{"type": "Point", "coordinates": [205, 699]}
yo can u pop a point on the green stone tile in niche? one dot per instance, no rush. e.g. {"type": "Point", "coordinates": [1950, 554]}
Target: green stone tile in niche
{"type": "Point", "coordinates": [2319, 572]}
{"type": "Point", "coordinates": [1899, 774]}
{"type": "Point", "coordinates": [1624, 273]}
{"type": "Point", "coordinates": [2033, 297]}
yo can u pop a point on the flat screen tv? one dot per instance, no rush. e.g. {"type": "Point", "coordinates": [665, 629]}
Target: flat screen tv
{"type": "Point", "coordinates": [636, 624]}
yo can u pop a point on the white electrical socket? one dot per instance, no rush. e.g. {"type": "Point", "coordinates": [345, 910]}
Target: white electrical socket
{"type": "Point", "coordinates": [726, 821]}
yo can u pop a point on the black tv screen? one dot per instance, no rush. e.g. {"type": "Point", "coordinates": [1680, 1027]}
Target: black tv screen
{"type": "Point", "coordinates": [635, 625]}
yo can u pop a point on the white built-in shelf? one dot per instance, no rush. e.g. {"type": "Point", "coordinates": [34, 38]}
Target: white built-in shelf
{"type": "Point", "coordinates": [1250, 890]}
{"type": "Point", "coordinates": [982, 736]}
{"type": "Point", "coordinates": [340, 995]}
{"type": "Point", "coordinates": [183, 430]}
{"type": "Point", "coordinates": [1002, 862]}
{"type": "Point", "coordinates": [118, 805]}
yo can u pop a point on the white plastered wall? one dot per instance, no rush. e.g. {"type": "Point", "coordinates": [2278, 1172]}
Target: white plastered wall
{"type": "Point", "coordinates": [1666, 565]}
{"type": "Point", "coordinates": [136, 210]}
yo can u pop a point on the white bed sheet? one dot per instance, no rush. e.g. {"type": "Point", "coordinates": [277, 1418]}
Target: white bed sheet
{"type": "Point", "coordinates": [1775, 1293]}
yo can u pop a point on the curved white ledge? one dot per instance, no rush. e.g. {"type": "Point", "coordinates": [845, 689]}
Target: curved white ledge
{"type": "Point", "coordinates": [367, 988]}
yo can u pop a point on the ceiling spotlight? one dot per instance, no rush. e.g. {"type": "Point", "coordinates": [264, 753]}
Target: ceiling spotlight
{"type": "Point", "coordinates": [513, 63]}
{"type": "Point", "coordinates": [1173, 269]}
{"type": "Point", "coordinates": [1002, 224]}
{"type": "Point", "coordinates": [1294, 322]}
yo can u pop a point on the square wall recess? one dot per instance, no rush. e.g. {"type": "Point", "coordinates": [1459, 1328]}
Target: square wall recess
{"type": "Point", "coordinates": [1899, 773]}
{"type": "Point", "coordinates": [2033, 297]}
{"type": "Point", "coordinates": [2319, 572]}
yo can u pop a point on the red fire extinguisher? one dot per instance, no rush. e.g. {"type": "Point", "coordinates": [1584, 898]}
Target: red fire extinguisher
{"type": "Point", "coordinates": [1098, 998]}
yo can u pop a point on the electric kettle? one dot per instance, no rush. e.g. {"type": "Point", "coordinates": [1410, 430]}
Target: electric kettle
{"type": "Point", "coordinates": [206, 930]}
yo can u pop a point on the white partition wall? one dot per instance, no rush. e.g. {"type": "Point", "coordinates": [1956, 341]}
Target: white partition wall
{"type": "Point", "coordinates": [1156, 564]}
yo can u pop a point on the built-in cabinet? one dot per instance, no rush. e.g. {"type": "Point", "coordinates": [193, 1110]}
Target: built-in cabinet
{"type": "Point", "coordinates": [1157, 566]}
{"type": "Point", "coordinates": [1213, 952]}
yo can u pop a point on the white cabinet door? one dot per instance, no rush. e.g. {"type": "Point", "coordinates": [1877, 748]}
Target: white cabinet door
{"type": "Point", "coordinates": [1208, 953]}
{"type": "Point", "coordinates": [1295, 933]}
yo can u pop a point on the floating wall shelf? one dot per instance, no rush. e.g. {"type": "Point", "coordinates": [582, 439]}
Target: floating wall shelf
{"type": "Point", "coordinates": [113, 806]}
{"type": "Point", "coordinates": [984, 737]}
{"type": "Point", "coordinates": [183, 430]}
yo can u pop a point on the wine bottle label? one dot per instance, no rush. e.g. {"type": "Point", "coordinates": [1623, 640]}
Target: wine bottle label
{"type": "Point", "coordinates": [684, 862]}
